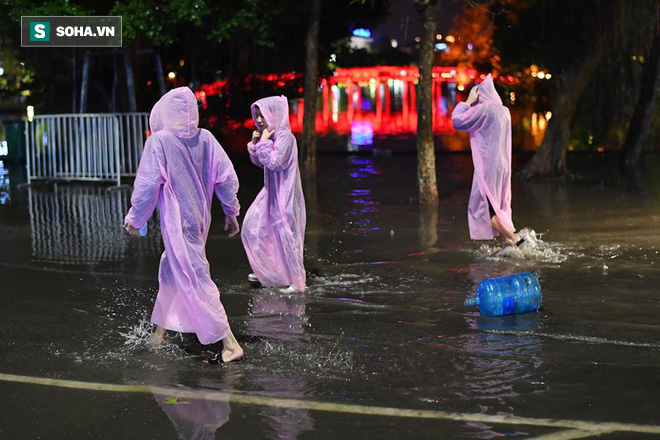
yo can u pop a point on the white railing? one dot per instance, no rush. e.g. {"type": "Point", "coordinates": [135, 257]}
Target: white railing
{"type": "Point", "coordinates": [133, 132]}
{"type": "Point", "coordinates": [85, 147]}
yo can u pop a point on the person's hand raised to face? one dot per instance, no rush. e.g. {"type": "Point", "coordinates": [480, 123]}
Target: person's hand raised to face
{"type": "Point", "coordinates": [473, 96]}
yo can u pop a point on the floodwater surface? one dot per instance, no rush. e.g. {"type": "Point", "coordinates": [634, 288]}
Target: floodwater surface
{"type": "Point", "coordinates": [381, 325]}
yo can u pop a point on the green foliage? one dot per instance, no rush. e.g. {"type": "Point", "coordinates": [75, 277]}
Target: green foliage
{"type": "Point", "coordinates": [156, 20]}
{"type": "Point", "coordinates": [607, 104]}
{"type": "Point", "coordinates": [16, 77]}
{"type": "Point", "coordinates": [52, 7]}
{"type": "Point", "coordinates": [553, 33]}
{"type": "Point", "coordinates": [214, 38]}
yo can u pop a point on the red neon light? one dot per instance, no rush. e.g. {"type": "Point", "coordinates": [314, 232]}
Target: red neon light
{"type": "Point", "coordinates": [350, 81]}
{"type": "Point", "coordinates": [359, 75]}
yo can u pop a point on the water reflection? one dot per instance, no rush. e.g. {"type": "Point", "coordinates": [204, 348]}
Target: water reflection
{"type": "Point", "coordinates": [200, 412]}
{"type": "Point", "coordinates": [362, 207]}
{"type": "Point", "coordinates": [196, 418]}
{"type": "Point", "coordinates": [283, 317]}
{"type": "Point", "coordinates": [5, 190]}
{"type": "Point", "coordinates": [504, 362]}
{"type": "Point", "coordinates": [284, 423]}
{"type": "Point", "coordinates": [503, 356]}
{"type": "Point", "coordinates": [279, 316]}
{"type": "Point", "coordinates": [485, 268]}
{"type": "Point", "coordinates": [428, 229]}
{"type": "Point", "coordinates": [75, 224]}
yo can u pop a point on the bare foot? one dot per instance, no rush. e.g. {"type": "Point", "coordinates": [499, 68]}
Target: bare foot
{"type": "Point", "coordinates": [157, 338]}
{"type": "Point", "coordinates": [231, 350]}
{"type": "Point", "coordinates": [230, 355]}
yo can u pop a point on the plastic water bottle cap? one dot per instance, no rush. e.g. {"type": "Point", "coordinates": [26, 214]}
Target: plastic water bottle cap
{"type": "Point", "coordinates": [471, 302]}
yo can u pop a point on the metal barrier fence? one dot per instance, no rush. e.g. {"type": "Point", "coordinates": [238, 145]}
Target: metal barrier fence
{"type": "Point", "coordinates": [133, 132]}
{"type": "Point", "coordinates": [85, 147]}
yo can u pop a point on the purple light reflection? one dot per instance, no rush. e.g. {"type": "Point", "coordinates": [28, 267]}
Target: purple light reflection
{"type": "Point", "coordinates": [361, 198]}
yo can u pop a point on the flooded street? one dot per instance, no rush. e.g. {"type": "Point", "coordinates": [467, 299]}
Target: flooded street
{"type": "Point", "coordinates": [381, 325]}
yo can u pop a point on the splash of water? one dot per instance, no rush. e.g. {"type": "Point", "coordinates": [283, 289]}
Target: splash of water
{"type": "Point", "coordinates": [533, 248]}
{"type": "Point", "coordinates": [138, 336]}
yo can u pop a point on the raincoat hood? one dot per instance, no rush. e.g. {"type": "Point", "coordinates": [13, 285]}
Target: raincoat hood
{"type": "Point", "coordinates": [177, 112]}
{"type": "Point", "coordinates": [275, 110]}
{"type": "Point", "coordinates": [155, 119]}
{"type": "Point", "coordinates": [487, 92]}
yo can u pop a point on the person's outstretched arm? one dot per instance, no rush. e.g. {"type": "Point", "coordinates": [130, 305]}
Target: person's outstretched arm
{"type": "Point", "coordinates": [146, 188]}
{"type": "Point", "coordinates": [226, 187]}
{"type": "Point", "coordinates": [276, 155]}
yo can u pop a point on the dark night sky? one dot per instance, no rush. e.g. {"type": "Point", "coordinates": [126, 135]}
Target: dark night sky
{"type": "Point", "coordinates": [394, 25]}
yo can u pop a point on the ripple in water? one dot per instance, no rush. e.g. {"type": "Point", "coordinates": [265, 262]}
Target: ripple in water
{"type": "Point", "coordinates": [343, 280]}
{"type": "Point", "coordinates": [308, 359]}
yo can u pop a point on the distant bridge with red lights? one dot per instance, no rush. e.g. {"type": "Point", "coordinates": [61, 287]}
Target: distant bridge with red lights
{"type": "Point", "coordinates": [382, 96]}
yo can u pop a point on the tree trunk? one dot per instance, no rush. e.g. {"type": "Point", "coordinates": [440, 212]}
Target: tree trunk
{"type": "Point", "coordinates": [75, 81]}
{"type": "Point", "coordinates": [428, 230]}
{"type": "Point", "coordinates": [160, 75]}
{"type": "Point", "coordinates": [314, 220]}
{"type": "Point", "coordinates": [128, 66]}
{"type": "Point", "coordinates": [550, 159]}
{"type": "Point", "coordinates": [84, 87]}
{"type": "Point", "coordinates": [428, 188]}
{"type": "Point", "coordinates": [192, 59]}
{"type": "Point", "coordinates": [633, 147]}
{"type": "Point", "coordinates": [115, 84]}
{"type": "Point", "coordinates": [308, 151]}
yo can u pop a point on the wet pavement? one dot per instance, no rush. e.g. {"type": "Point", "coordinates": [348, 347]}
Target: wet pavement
{"type": "Point", "coordinates": [382, 324]}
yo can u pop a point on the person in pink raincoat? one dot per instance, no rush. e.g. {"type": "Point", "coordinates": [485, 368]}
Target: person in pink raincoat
{"type": "Point", "coordinates": [489, 125]}
{"type": "Point", "coordinates": [274, 227]}
{"type": "Point", "coordinates": [180, 169]}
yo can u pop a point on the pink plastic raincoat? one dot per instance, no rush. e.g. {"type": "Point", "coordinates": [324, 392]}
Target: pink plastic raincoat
{"type": "Point", "coordinates": [181, 167]}
{"type": "Point", "coordinates": [489, 125]}
{"type": "Point", "coordinates": [274, 227]}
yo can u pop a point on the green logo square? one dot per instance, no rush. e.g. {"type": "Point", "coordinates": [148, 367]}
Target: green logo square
{"type": "Point", "coordinates": [39, 31]}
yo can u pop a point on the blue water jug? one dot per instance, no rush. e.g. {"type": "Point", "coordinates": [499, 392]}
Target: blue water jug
{"type": "Point", "coordinates": [519, 293]}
